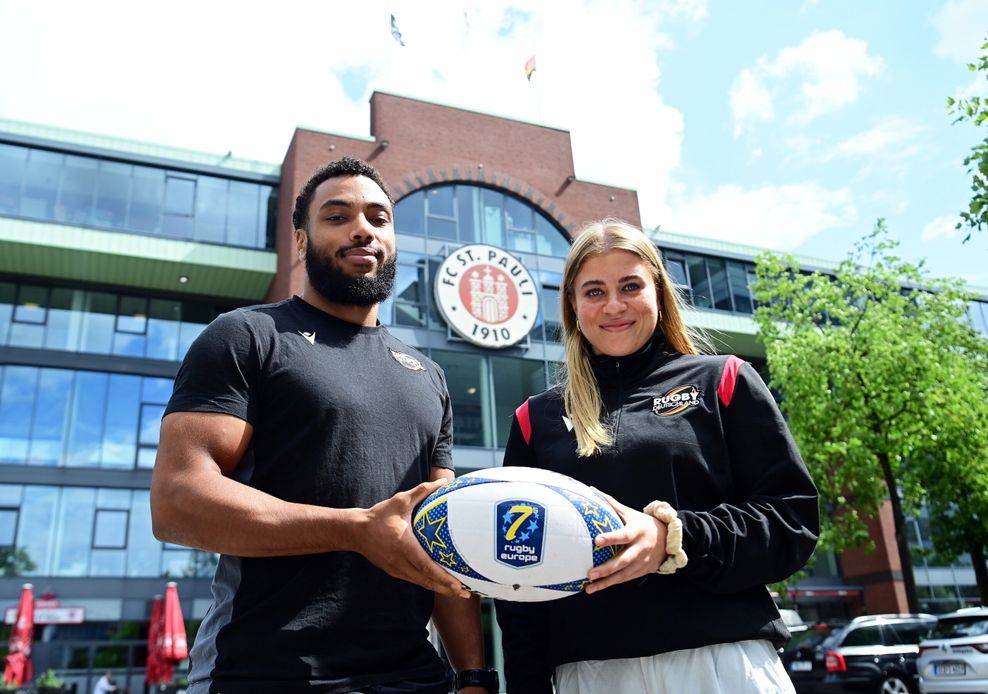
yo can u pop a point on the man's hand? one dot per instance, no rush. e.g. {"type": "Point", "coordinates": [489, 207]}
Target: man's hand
{"type": "Point", "coordinates": [644, 540]}
{"type": "Point", "coordinates": [388, 542]}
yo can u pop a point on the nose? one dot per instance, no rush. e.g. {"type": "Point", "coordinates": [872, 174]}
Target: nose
{"type": "Point", "coordinates": [362, 230]}
{"type": "Point", "coordinates": [614, 304]}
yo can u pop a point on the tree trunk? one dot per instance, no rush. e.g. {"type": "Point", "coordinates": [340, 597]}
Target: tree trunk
{"type": "Point", "coordinates": [977, 551]}
{"type": "Point", "coordinates": [901, 540]}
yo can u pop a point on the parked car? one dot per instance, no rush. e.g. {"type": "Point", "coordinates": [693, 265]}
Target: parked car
{"type": "Point", "coordinates": [792, 619]}
{"type": "Point", "coordinates": [954, 658]}
{"type": "Point", "coordinates": [874, 654]}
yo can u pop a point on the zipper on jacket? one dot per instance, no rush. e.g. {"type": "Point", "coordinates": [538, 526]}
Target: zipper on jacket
{"type": "Point", "coordinates": [620, 392]}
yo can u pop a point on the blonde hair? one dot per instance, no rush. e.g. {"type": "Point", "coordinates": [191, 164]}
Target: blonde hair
{"type": "Point", "coordinates": [581, 394]}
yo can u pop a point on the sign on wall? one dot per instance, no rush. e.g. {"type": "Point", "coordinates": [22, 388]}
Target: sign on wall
{"type": "Point", "coordinates": [487, 296]}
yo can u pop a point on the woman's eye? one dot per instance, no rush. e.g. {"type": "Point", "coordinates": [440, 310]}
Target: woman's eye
{"type": "Point", "coordinates": [596, 291]}
{"type": "Point", "coordinates": [632, 287]}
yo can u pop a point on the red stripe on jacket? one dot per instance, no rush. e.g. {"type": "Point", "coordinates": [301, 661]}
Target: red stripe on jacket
{"type": "Point", "coordinates": [524, 421]}
{"type": "Point", "coordinates": [728, 378]}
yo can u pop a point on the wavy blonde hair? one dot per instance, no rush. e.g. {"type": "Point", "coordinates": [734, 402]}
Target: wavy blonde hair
{"type": "Point", "coordinates": [581, 393]}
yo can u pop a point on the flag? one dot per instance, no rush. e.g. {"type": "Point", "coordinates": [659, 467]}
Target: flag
{"type": "Point", "coordinates": [530, 68]}
{"type": "Point", "coordinates": [394, 30]}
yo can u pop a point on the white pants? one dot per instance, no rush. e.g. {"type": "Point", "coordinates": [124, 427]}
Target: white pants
{"type": "Point", "coordinates": [747, 667]}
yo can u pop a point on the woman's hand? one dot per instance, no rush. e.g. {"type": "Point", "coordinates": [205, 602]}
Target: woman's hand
{"type": "Point", "coordinates": [644, 540]}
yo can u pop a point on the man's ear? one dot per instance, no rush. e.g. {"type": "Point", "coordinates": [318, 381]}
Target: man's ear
{"type": "Point", "coordinates": [301, 243]}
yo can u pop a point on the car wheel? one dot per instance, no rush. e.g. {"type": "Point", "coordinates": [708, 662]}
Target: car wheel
{"type": "Point", "coordinates": [893, 684]}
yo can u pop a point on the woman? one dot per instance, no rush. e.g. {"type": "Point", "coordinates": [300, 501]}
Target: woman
{"type": "Point", "coordinates": [699, 444]}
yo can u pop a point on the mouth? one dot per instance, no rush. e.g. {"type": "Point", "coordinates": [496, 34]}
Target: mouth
{"type": "Point", "coordinates": [361, 255]}
{"type": "Point", "coordinates": [616, 326]}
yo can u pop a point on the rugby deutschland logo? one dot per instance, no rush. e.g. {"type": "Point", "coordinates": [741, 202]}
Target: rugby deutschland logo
{"type": "Point", "coordinates": [676, 400]}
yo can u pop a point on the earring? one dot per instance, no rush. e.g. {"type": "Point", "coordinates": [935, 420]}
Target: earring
{"type": "Point", "coordinates": [578, 328]}
{"type": "Point", "coordinates": [660, 314]}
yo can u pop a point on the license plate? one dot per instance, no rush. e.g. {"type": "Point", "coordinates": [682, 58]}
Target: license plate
{"type": "Point", "coordinates": [801, 666]}
{"type": "Point", "coordinates": [949, 669]}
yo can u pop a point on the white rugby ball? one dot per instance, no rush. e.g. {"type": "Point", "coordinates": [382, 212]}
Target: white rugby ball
{"type": "Point", "coordinates": [516, 533]}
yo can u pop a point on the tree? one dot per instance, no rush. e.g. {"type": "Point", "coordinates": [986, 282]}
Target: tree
{"type": "Point", "coordinates": [975, 110]}
{"type": "Point", "coordinates": [860, 357]}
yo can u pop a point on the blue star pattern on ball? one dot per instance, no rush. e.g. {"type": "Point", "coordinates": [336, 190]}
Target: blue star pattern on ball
{"type": "Point", "coordinates": [599, 519]}
{"type": "Point", "coordinates": [432, 532]}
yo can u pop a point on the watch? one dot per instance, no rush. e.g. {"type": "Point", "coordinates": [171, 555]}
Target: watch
{"type": "Point", "coordinates": [487, 679]}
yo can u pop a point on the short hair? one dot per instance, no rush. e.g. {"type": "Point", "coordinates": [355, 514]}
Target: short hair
{"type": "Point", "coordinates": [581, 394]}
{"type": "Point", "coordinates": [347, 166]}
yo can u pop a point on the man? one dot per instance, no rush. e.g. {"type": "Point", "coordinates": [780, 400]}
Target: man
{"type": "Point", "coordinates": [104, 685]}
{"type": "Point", "coordinates": [298, 440]}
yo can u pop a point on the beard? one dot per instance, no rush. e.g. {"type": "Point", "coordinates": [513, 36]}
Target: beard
{"type": "Point", "coordinates": [328, 279]}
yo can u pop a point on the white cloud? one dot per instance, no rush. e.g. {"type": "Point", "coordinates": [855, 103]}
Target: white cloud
{"type": "Point", "coordinates": [892, 135]}
{"type": "Point", "coordinates": [821, 75]}
{"type": "Point", "coordinates": [961, 26]}
{"type": "Point", "coordinates": [940, 228]}
{"type": "Point", "coordinates": [771, 216]}
{"type": "Point", "coordinates": [750, 101]}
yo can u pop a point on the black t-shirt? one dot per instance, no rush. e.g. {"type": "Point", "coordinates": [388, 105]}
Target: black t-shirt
{"type": "Point", "coordinates": [343, 416]}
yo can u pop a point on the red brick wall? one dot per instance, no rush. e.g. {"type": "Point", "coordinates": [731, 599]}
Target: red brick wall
{"type": "Point", "coordinates": [879, 572]}
{"type": "Point", "coordinates": [429, 144]}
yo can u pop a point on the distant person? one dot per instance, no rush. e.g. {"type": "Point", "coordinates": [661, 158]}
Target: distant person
{"type": "Point", "coordinates": [298, 440]}
{"type": "Point", "coordinates": [698, 444]}
{"type": "Point", "coordinates": [105, 684]}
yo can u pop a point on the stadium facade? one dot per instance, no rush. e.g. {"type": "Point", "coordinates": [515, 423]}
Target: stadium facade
{"type": "Point", "coordinates": [115, 254]}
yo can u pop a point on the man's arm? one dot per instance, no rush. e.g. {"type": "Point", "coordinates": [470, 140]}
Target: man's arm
{"type": "Point", "coordinates": [194, 503]}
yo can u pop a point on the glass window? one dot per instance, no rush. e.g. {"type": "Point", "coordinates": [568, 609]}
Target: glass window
{"type": "Point", "coordinates": [112, 194]}
{"type": "Point", "coordinates": [163, 325]}
{"type": "Point", "coordinates": [146, 199]}
{"type": "Point", "coordinates": [13, 162]}
{"type": "Point", "coordinates": [32, 304]}
{"type": "Point", "coordinates": [51, 417]}
{"type": "Point", "coordinates": [676, 269]}
{"type": "Point", "coordinates": [98, 322]}
{"type": "Point", "coordinates": [86, 422]}
{"type": "Point", "coordinates": [466, 197]}
{"type": "Point", "coordinates": [242, 222]}
{"type": "Point", "coordinates": [739, 286]}
{"type": "Point", "coordinates": [41, 181]}
{"type": "Point", "coordinates": [211, 203]}
{"type": "Point", "coordinates": [35, 533]}
{"type": "Point", "coordinates": [63, 324]}
{"type": "Point", "coordinates": [151, 424]}
{"type": "Point", "coordinates": [133, 315]}
{"type": "Point", "coordinates": [410, 214]}
{"type": "Point", "coordinates": [469, 391]}
{"type": "Point", "coordinates": [514, 381]}
{"type": "Point", "coordinates": [718, 284]}
{"type": "Point", "coordinates": [440, 202]}
{"type": "Point", "coordinates": [75, 204]}
{"type": "Point", "coordinates": [143, 550]}
{"type": "Point", "coordinates": [8, 526]}
{"type": "Point", "coordinates": [699, 282]}
{"type": "Point", "coordinates": [120, 430]}
{"type": "Point", "coordinates": [110, 529]}
{"type": "Point", "coordinates": [18, 389]}
{"type": "Point", "coordinates": [864, 636]}
{"type": "Point", "coordinates": [73, 531]}
{"type": "Point", "coordinates": [978, 312]}
{"type": "Point", "coordinates": [517, 214]}
{"type": "Point", "coordinates": [550, 311]}
{"type": "Point", "coordinates": [550, 239]}
{"type": "Point", "coordinates": [492, 218]}
{"type": "Point", "coordinates": [180, 195]}
{"type": "Point", "coordinates": [8, 294]}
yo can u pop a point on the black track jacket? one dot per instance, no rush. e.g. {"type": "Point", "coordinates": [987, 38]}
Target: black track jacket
{"type": "Point", "coordinates": [704, 434]}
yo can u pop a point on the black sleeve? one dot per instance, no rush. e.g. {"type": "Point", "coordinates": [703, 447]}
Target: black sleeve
{"type": "Point", "coordinates": [220, 371]}
{"type": "Point", "coordinates": [524, 625]}
{"type": "Point", "coordinates": [768, 530]}
{"type": "Point", "coordinates": [442, 454]}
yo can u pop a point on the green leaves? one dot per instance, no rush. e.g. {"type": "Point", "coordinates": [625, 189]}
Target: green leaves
{"type": "Point", "coordinates": [884, 385]}
{"type": "Point", "coordinates": [975, 110]}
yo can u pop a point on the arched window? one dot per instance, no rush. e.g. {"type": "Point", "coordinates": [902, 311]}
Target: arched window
{"type": "Point", "coordinates": [473, 214]}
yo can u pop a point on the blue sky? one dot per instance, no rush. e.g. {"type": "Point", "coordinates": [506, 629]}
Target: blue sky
{"type": "Point", "coordinates": [789, 124]}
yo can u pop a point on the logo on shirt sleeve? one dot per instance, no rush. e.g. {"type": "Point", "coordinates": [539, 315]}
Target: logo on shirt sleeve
{"type": "Point", "coordinates": [676, 400]}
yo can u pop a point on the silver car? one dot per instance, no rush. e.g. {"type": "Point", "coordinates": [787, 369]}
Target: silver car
{"type": "Point", "coordinates": [954, 658]}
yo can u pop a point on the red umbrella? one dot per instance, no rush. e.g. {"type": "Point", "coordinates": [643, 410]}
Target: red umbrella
{"type": "Point", "coordinates": [172, 643]}
{"type": "Point", "coordinates": [153, 675]}
{"type": "Point", "coordinates": [17, 663]}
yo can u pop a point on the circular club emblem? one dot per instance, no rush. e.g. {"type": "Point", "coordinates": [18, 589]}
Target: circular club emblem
{"type": "Point", "coordinates": [487, 296]}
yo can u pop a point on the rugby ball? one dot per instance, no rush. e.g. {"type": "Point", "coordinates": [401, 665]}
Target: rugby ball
{"type": "Point", "coordinates": [516, 533]}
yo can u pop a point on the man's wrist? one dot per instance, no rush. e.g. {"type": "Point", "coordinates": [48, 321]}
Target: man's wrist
{"type": "Point", "coordinates": [487, 679]}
